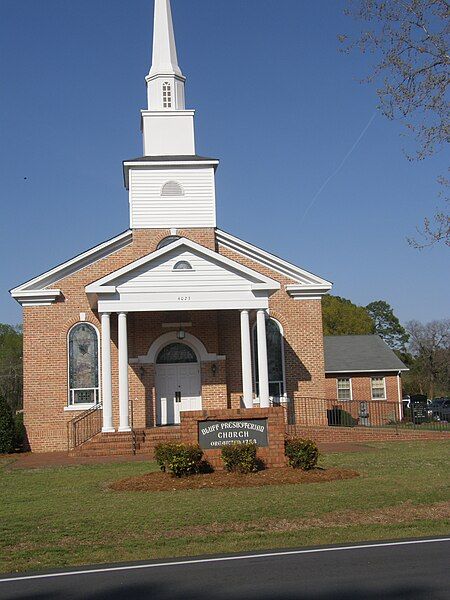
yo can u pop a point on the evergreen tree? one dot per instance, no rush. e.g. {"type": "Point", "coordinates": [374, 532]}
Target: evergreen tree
{"type": "Point", "coordinates": [6, 427]}
{"type": "Point", "coordinates": [387, 325]}
{"type": "Point", "coordinates": [342, 317]}
{"type": "Point", "coordinates": [11, 364]}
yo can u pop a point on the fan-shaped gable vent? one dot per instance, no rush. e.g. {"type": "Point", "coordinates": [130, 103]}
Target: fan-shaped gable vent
{"type": "Point", "coordinates": [183, 265]}
{"type": "Point", "coordinates": [172, 188]}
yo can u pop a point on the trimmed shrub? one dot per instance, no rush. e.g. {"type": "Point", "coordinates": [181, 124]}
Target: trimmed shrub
{"type": "Point", "coordinates": [6, 427]}
{"type": "Point", "coordinates": [301, 454]}
{"type": "Point", "coordinates": [164, 453]}
{"type": "Point", "coordinates": [180, 460]}
{"type": "Point", "coordinates": [240, 457]}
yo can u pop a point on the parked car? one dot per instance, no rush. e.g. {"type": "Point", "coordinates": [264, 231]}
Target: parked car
{"type": "Point", "coordinates": [440, 409]}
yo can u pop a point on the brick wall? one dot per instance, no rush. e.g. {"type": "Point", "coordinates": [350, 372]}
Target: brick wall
{"type": "Point", "coordinates": [272, 455]}
{"type": "Point", "coordinates": [45, 345]}
{"type": "Point", "coordinates": [45, 342]}
{"type": "Point", "coordinates": [301, 321]}
{"type": "Point", "coordinates": [361, 385]}
{"type": "Point", "coordinates": [363, 434]}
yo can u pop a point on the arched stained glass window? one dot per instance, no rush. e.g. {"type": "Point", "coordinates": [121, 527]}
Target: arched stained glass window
{"type": "Point", "coordinates": [275, 360]}
{"type": "Point", "coordinates": [83, 365]}
{"type": "Point", "coordinates": [167, 240]}
{"type": "Point", "coordinates": [176, 353]}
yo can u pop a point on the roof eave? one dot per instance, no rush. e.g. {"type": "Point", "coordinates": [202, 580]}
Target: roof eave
{"type": "Point", "coordinates": [36, 297]}
{"type": "Point", "coordinates": [176, 162]}
{"type": "Point", "coordinates": [271, 261]}
{"type": "Point", "coordinates": [298, 292]}
{"type": "Point", "coordinates": [74, 264]}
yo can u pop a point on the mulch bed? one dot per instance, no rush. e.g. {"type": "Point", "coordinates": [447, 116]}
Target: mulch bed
{"type": "Point", "coordinates": [162, 482]}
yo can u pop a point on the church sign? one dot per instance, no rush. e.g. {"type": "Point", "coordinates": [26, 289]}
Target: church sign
{"type": "Point", "coordinates": [215, 434]}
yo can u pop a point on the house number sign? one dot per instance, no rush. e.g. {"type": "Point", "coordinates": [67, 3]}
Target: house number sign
{"type": "Point", "coordinates": [215, 434]}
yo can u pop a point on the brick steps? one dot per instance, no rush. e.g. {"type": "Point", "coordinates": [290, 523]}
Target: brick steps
{"type": "Point", "coordinates": [121, 444]}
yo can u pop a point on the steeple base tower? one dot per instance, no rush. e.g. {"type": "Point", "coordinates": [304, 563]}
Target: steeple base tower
{"type": "Point", "coordinates": [168, 133]}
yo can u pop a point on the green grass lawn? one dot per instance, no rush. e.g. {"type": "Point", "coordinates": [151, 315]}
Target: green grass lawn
{"type": "Point", "coordinates": [64, 516]}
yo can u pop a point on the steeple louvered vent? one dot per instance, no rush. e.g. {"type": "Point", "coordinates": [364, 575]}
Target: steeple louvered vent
{"type": "Point", "coordinates": [172, 188]}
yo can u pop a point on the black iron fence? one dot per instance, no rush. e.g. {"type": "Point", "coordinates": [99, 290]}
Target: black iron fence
{"type": "Point", "coordinates": [84, 427]}
{"type": "Point", "coordinates": [363, 413]}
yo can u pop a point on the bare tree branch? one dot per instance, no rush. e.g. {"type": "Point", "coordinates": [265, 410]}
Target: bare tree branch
{"type": "Point", "coordinates": [410, 42]}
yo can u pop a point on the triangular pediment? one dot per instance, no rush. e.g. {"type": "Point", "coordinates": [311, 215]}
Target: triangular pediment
{"type": "Point", "coordinates": [183, 273]}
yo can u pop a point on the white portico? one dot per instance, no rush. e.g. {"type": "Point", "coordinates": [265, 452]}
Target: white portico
{"type": "Point", "coordinates": [181, 276]}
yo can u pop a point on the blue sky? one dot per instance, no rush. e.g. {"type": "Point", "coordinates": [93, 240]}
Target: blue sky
{"type": "Point", "coordinates": [276, 102]}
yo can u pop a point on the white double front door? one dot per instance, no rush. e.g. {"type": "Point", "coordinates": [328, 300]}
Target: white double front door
{"type": "Point", "coordinates": [178, 388]}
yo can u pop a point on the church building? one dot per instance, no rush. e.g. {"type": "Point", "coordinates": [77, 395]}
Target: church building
{"type": "Point", "coordinates": [174, 314]}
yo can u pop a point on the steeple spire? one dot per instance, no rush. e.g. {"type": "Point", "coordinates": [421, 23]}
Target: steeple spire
{"type": "Point", "coordinates": [165, 61]}
{"type": "Point", "coordinates": [165, 81]}
{"type": "Point", "coordinates": [167, 126]}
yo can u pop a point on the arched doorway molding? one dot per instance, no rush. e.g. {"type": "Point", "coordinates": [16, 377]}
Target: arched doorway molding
{"type": "Point", "coordinates": [172, 336]}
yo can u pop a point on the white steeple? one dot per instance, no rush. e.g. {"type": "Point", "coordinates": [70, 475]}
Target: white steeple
{"type": "Point", "coordinates": [170, 187]}
{"type": "Point", "coordinates": [167, 126]}
{"type": "Point", "coordinates": [165, 59]}
{"type": "Point", "coordinates": [165, 81]}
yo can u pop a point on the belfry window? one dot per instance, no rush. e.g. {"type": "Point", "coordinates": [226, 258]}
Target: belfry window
{"type": "Point", "coordinates": [275, 358]}
{"type": "Point", "coordinates": [167, 95]}
{"type": "Point", "coordinates": [83, 365]}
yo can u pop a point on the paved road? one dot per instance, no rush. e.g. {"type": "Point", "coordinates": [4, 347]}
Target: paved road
{"type": "Point", "coordinates": [408, 570]}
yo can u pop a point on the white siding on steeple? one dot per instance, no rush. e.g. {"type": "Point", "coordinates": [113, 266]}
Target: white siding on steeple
{"type": "Point", "coordinates": [150, 208]}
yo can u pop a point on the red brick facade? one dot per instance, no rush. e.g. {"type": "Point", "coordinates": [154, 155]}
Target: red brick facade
{"type": "Point", "coordinates": [361, 385]}
{"type": "Point", "coordinates": [323, 435]}
{"type": "Point", "coordinates": [45, 344]}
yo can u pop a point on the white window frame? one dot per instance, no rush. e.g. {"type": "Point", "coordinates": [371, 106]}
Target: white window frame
{"type": "Point", "coordinates": [383, 379]}
{"type": "Point", "coordinates": [167, 94]}
{"type": "Point", "coordinates": [283, 367]}
{"type": "Point", "coordinates": [70, 391]}
{"type": "Point", "coordinates": [350, 388]}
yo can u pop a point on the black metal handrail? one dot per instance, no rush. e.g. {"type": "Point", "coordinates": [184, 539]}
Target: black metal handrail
{"type": "Point", "coordinates": [133, 432]}
{"type": "Point", "coordinates": [84, 426]}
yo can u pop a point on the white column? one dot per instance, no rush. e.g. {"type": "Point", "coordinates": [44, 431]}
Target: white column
{"type": "Point", "coordinates": [106, 375]}
{"type": "Point", "coordinates": [247, 383]}
{"type": "Point", "coordinates": [263, 373]}
{"type": "Point", "coordinates": [124, 424]}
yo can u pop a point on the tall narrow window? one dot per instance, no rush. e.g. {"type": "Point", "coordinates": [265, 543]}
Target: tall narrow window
{"type": "Point", "coordinates": [344, 388]}
{"type": "Point", "coordinates": [378, 388]}
{"type": "Point", "coordinates": [83, 365]}
{"type": "Point", "coordinates": [275, 358]}
{"type": "Point", "coordinates": [167, 95]}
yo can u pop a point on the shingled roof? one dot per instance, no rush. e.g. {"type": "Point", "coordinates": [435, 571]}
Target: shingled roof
{"type": "Point", "coordinates": [363, 353]}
